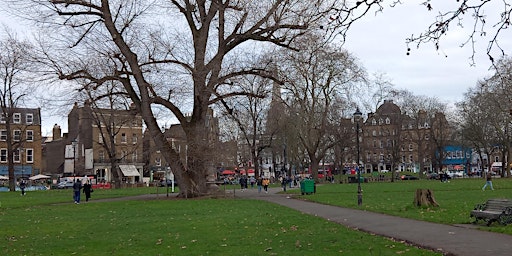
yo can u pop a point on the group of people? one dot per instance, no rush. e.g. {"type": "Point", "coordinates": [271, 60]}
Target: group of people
{"type": "Point", "coordinates": [78, 188]}
{"type": "Point", "coordinates": [262, 184]}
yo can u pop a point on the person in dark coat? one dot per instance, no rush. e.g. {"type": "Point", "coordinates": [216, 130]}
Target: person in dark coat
{"type": "Point", "coordinates": [77, 186]}
{"type": "Point", "coordinates": [23, 185]}
{"type": "Point", "coordinates": [87, 189]}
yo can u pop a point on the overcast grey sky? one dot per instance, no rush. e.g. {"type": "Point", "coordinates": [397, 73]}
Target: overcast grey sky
{"type": "Point", "coordinates": [379, 43]}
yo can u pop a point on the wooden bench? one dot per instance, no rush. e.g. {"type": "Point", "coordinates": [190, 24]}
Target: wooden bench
{"type": "Point", "coordinates": [493, 210]}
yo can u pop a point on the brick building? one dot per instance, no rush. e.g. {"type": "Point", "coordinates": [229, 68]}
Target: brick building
{"type": "Point", "coordinates": [24, 128]}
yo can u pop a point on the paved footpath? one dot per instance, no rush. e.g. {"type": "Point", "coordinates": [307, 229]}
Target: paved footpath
{"type": "Point", "coordinates": [450, 240]}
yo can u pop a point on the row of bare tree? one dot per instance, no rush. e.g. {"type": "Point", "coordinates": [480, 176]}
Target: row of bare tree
{"type": "Point", "coordinates": [176, 58]}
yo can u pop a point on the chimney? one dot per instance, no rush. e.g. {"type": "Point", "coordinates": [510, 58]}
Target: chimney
{"type": "Point", "coordinates": [56, 132]}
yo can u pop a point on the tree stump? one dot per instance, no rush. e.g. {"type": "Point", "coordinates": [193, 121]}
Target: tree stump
{"type": "Point", "coordinates": [425, 198]}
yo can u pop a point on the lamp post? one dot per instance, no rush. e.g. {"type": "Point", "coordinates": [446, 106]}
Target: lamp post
{"type": "Point", "coordinates": [21, 160]}
{"type": "Point", "coordinates": [74, 143]}
{"type": "Point", "coordinates": [357, 118]}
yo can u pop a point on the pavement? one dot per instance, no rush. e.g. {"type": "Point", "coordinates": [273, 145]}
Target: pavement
{"type": "Point", "coordinates": [463, 240]}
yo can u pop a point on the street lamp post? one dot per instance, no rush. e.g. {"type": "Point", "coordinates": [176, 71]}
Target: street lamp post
{"type": "Point", "coordinates": [357, 118]}
{"type": "Point", "coordinates": [21, 160]}
{"type": "Point", "coordinates": [74, 143]}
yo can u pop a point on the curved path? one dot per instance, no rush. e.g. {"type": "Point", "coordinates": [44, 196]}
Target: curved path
{"type": "Point", "coordinates": [463, 240]}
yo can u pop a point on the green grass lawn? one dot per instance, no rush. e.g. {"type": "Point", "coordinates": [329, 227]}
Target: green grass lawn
{"type": "Point", "coordinates": [48, 223]}
{"type": "Point", "coordinates": [456, 198]}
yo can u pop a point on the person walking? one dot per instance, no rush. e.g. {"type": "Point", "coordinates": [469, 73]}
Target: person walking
{"type": "Point", "coordinates": [77, 186]}
{"type": "Point", "coordinates": [252, 180]}
{"type": "Point", "coordinates": [266, 182]}
{"type": "Point", "coordinates": [284, 182]}
{"type": "Point", "coordinates": [23, 185]}
{"type": "Point", "coordinates": [243, 183]}
{"type": "Point", "coordinates": [259, 183]}
{"type": "Point", "coordinates": [87, 190]}
{"type": "Point", "coordinates": [488, 181]}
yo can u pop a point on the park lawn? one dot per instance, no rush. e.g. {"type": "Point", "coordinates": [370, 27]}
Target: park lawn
{"type": "Point", "coordinates": [456, 198]}
{"type": "Point", "coordinates": [41, 224]}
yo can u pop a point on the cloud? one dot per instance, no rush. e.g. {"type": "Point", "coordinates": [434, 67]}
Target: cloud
{"type": "Point", "coordinates": [379, 43]}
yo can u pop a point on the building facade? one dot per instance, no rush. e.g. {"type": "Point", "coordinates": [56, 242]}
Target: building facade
{"type": "Point", "coordinates": [155, 164]}
{"type": "Point", "coordinates": [395, 141]}
{"type": "Point", "coordinates": [21, 128]}
{"type": "Point", "coordinates": [100, 140]}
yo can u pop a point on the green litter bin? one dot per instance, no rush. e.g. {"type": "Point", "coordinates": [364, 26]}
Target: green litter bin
{"type": "Point", "coordinates": [307, 186]}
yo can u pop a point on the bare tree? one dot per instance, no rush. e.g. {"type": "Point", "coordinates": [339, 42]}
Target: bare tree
{"type": "Point", "coordinates": [249, 113]}
{"type": "Point", "coordinates": [14, 66]}
{"type": "Point", "coordinates": [111, 114]}
{"type": "Point", "coordinates": [486, 117]}
{"type": "Point", "coordinates": [183, 68]}
{"type": "Point", "coordinates": [421, 111]}
{"type": "Point", "coordinates": [317, 79]}
{"type": "Point", "coordinates": [477, 18]}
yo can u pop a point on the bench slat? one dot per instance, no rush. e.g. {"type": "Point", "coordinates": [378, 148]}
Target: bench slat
{"type": "Point", "coordinates": [493, 210]}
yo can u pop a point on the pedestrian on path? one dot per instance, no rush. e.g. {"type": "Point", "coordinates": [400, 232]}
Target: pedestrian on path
{"type": "Point", "coordinates": [259, 183]}
{"type": "Point", "coordinates": [266, 182]}
{"type": "Point", "coordinates": [284, 181]}
{"type": "Point", "coordinates": [23, 185]}
{"type": "Point", "coordinates": [243, 183]}
{"type": "Point", "coordinates": [77, 186]}
{"type": "Point", "coordinates": [488, 181]}
{"type": "Point", "coordinates": [87, 190]}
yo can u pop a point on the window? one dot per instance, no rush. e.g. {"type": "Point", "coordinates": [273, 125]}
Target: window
{"type": "Point", "coordinates": [123, 137]}
{"type": "Point", "coordinates": [3, 155]}
{"type": "Point", "coordinates": [3, 135]}
{"type": "Point", "coordinates": [411, 147]}
{"type": "Point", "coordinates": [16, 118]}
{"type": "Point", "coordinates": [100, 138]}
{"type": "Point", "coordinates": [374, 122]}
{"type": "Point", "coordinates": [2, 118]}
{"type": "Point", "coordinates": [134, 157]}
{"type": "Point", "coordinates": [16, 156]}
{"type": "Point", "coordinates": [158, 161]}
{"type": "Point", "coordinates": [411, 159]}
{"type": "Point", "coordinates": [29, 155]}
{"type": "Point", "coordinates": [134, 138]}
{"type": "Point", "coordinates": [29, 119]}
{"type": "Point", "coordinates": [388, 121]}
{"type": "Point", "coordinates": [101, 155]}
{"type": "Point", "coordinates": [30, 135]}
{"type": "Point", "coordinates": [16, 135]}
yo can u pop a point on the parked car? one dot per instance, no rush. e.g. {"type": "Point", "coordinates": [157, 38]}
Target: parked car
{"type": "Point", "coordinates": [168, 183]}
{"type": "Point", "coordinates": [433, 176]}
{"type": "Point", "coordinates": [65, 184]}
{"type": "Point", "coordinates": [455, 174]}
{"type": "Point", "coordinates": [408, 177]}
